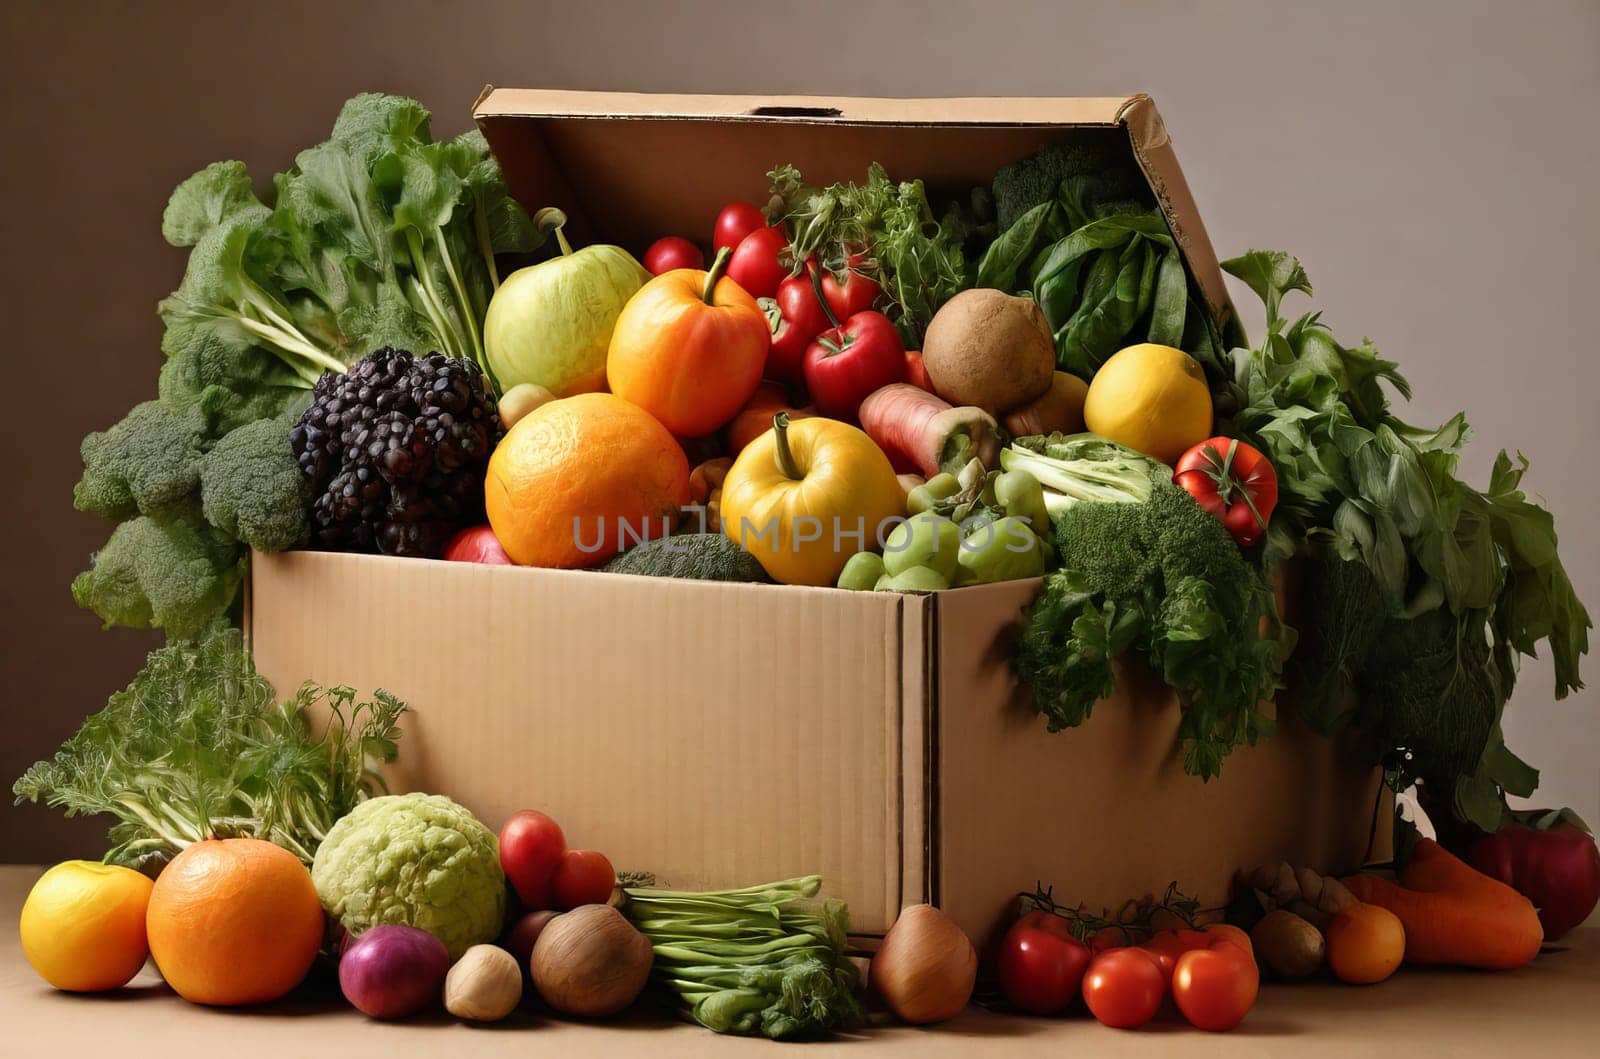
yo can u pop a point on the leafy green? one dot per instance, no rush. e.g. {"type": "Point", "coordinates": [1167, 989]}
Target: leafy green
{"type": "Point", "coordinates": [1163, 578]}
{"type": "Point", "coordinates": [196, 746]}
{"type": "Point", "coordinates": [1425, 590]}
{"type": "Point", "coordinates": [882, 229]}
{"type": "Point", "coordinates": [1084, 242]}
{"type": "Point", "coordinates": [766, 959]}
{"type": "Point", "coordinates": [379, 236]}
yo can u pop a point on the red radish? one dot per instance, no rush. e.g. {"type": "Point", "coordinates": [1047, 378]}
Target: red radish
{"type": "Point", "coordinates": [670, 253]}
{"type": "Point", "coordinates": [921, 432]}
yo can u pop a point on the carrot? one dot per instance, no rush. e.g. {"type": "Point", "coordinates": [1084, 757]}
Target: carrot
{"type": "Point", "coordinates": [922, 433]}
{"type": "Point", "coordinates": [1454, 914]}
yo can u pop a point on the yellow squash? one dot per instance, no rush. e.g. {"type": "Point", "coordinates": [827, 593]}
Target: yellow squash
{"type": "Point", "coordinates": [806, 496]}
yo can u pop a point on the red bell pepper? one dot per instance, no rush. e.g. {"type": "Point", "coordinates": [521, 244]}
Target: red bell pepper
{"type": "Point", "coordinates": [1234, 482]}
{"type": "Point", "coordinates": [1557, 868]}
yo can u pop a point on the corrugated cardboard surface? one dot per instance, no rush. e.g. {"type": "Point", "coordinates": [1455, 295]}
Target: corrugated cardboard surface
{"type": "Point", "coordinates": [630, 167]}
{"type": "Point", "coordinates": [712, 734]}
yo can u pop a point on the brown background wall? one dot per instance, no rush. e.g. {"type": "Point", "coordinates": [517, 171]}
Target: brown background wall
{"type": "Point", "coordinates": [1432, 164]}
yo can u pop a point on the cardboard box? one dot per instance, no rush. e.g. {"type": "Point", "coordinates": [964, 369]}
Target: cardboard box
{"type": "Point", "coordinates": [726, 734]}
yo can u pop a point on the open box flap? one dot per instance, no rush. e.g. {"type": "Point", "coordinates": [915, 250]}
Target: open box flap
{"type": "Point", "coordinates": [631, 167]}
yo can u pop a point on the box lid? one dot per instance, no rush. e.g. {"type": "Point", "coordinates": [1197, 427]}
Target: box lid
{"type": "Point", "coordinates": [631, 167]}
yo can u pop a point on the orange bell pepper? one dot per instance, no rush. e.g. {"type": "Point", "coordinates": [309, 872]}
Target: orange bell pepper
{"type": "Point", "coordinates": [689, 349]}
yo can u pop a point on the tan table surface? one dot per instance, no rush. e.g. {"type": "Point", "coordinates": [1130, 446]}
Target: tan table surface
{"type": "Point", "coordinates": [1551, 1008]}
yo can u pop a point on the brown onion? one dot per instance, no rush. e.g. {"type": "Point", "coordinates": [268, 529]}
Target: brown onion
{"type": "Point", "coordinates": [926, 966]}
{"type": "Point", "coordinates": [590, 961]}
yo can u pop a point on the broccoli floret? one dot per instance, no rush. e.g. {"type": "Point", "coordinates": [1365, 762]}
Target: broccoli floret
{"type": "Point", "coordinates": [1100, 181]}
{"type": "Point", "coordinates": [148, 464]}
{"type": "Point", "coordinates": [252, 489]}
{"type": "Point", "coordinates": [178, 576]}
{"type": "Point", "coordinates": [1162, 576]}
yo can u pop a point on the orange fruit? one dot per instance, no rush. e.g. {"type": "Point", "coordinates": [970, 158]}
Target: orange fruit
{"type": "Point", "coordinates": [234, 921]}
{"type": "Point", "coordinates": [83, 925]}
{"type": "Point", "coordinates": [578, 480]}
{"type": "Point", "coordinates": [1365, 944]}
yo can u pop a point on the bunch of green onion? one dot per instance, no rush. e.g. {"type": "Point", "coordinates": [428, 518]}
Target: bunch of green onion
{"type": "Point", "coordinates": [766, 959]}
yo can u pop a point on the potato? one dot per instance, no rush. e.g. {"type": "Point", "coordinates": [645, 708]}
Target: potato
{"type": "Point", "coordinates": [1289, 945]}
{"type": "Point", "coordinates": [1058, 410]}
{"type": "Point", "coordinates": [990, 350]}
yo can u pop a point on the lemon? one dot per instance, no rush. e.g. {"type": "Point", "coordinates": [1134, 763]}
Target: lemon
{"type": "Point", "coordinates": [1150, 398]}
{"type": "Point", "coordinates": [83, 925]}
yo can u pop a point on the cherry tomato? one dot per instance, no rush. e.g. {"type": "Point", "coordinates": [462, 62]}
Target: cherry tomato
{"type": "Point", "coordinates": [1233, 482]}
{"type": "Point", "coordinates": [1215, 987]}
{"type": "Point", "coordinates": [757, 263]}
{"type": "Point", "coordinates": [1041, 964]}
{"type": "Point", "coordinates": [737, 220]}
{"type": "Point", "coordinates": [583, 877]}
{"type": "Point", "coordinates": [672, 252]}
{"type": "Point", "coordinates": [1123, 987]}
{"type": "Point", "coordinates": [531, 845]}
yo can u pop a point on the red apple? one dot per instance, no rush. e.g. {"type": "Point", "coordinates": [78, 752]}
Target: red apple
{"type": "Point", "coordinates": [476, 544]}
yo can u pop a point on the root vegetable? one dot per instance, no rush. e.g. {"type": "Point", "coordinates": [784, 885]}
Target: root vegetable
{"type": "Point", "coordinates": [524, 934]}
{"type": "Point", "coordinates": [1453, 914]}
{"type": "Point", "coordinates": [922, 433]}
{"type": "Point", "coordinates": [590, 962]}
{"type": "Point", "coordinates": [1288, 944]}
{"type": "Point", "coordinates": [485, 985]}
{"type": "Point", "coordinates": [1058, 410]}
{"type": "Point", "coordinates": [989, 349]}
{"type": "Point", "coordinates": [925, 968]}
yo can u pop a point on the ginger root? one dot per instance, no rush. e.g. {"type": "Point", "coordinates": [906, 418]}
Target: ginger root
{"type": "Point", "coordinates": [1314, 897]}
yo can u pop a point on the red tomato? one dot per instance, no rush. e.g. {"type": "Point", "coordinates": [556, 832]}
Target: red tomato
{"type": "Point", "coordinates": [757, 265]}
{"type": "Point", "coordinates": [916, 373]}
{"type": "Point", "coordinates": [1216, 987]}
{"type": "Point", "coordinates": [1233, 482]}
{"type": "Point", "coordinates": [1123, 987]}
{"type": "Point", "coordinates": [797, 317]}
{"type": "Point", "coordinates": [672, 252]}
{"type": "Point", "coordinates": [846, 363]}
{"type": "Point", "coordinates": [737, 220]}
{"type": "Point", "coordinates": [852, 293]}
{"type": "Point", "coordinates": [1168, 945]}
{"type": "Point", "coordinates": [476, 544]}
{"type": "Point", "coordinates": [583, 877]}
{"type": "Point", "coordinates": [531, 845]}
{"type": "Point", "coordinates": [1041, 964]}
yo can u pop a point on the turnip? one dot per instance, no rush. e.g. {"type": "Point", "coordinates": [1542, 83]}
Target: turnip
{"type": "Point", "coordinates": [393, 971]}
{"type": "Point", "coordinates": [920, 432]}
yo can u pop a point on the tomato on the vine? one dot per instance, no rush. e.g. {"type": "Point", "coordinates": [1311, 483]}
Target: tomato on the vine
{"type": "Point", "coordinates": [1215, 987]}
{"type": "Point", "coordinates": [1232, 481]}
{"type": "Point", "coordinates": [1123, 987]}
{"type": "Point", "coordinates": [1041, 964]}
